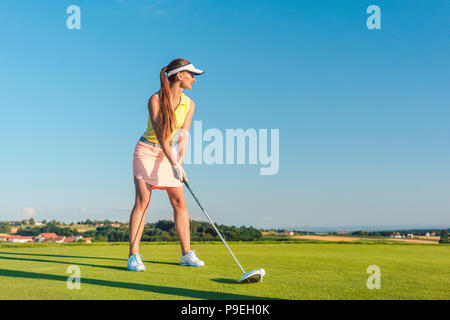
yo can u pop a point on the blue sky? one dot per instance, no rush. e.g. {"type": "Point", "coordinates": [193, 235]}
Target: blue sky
{"type": "Point", "coordinates": [363, 115]}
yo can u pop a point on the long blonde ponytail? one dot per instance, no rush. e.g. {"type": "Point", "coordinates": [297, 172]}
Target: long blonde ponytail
{"type": "Point", "coordinates": [167, 123]}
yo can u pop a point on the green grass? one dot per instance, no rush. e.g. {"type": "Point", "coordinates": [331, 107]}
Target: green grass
{"type": "Point", "coordinates": [294, 270]}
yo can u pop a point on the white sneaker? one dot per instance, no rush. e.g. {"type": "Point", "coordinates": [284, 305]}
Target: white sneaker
{"type": "Point", "coordinates": [191, 260]}
{"type": "Point", "coordinates": [135, 263]}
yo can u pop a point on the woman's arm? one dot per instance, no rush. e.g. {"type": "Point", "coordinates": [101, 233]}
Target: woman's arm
{"type": "Point", "coordinates": [184, 132]}
{"type": "Point", "coordinates": [188, 120]}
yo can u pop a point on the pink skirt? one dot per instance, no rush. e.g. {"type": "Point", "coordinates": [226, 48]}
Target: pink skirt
{"type": "Point", "coordinates": [150, 164]}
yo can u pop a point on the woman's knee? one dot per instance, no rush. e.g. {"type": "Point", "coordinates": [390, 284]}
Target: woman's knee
{"type": "Point", "coordinates": [176, 196]}
{"type": "Point", "coordinates": [142, 203]}
{"type": "Point", "coordinates": [143, 194]}
{"type": "Point", "coordinates": [179, 203]}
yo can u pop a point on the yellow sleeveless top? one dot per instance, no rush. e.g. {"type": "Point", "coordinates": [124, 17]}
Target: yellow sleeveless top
{"type": "Point", "coordinates": [180, 115]}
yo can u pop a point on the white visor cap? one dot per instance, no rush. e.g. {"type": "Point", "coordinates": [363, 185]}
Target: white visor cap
{"type": "Point", "coordinates": [189, 67]}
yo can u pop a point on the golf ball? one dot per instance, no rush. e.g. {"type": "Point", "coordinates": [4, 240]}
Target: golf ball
{"type": "Point", "coordinates": [263, 272]}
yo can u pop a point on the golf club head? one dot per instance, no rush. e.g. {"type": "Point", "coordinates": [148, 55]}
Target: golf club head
{"type": "Point", "coordinates": [253, 276]}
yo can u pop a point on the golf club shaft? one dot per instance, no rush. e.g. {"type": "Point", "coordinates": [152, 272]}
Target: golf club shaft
{"type": "Point", "coordinates": [204, 211]}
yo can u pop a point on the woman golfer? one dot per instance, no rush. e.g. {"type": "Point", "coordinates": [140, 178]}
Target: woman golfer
{"type": "Point", "coordinates": [157, 166]}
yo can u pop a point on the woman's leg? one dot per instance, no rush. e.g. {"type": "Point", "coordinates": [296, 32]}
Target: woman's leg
{"type": "Point", "coordinates": [181, 217]}
{"type": "Point", "coordinates": [137, 218]}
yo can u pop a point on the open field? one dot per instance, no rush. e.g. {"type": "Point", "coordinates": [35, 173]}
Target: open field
{"type": "Point", "coordinates": [344, 238]}
{"type": "Point", "coordinates": [297, 270]}
{"type": "Point", "coordinates": [435, 238]}
{"type": "Point", "coordinates": [80, 227]}
{"type": "Point", "coordinates": [329, 238]}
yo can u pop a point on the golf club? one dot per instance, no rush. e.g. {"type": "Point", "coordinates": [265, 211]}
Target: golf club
{"type": "Point", "coordinates": [249, 277]}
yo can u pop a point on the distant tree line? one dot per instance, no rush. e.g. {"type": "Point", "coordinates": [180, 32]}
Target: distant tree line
{"type": "Point", "coordinates": [444, 237]}
{"type": "Point", "coordinates": [95, 222]}
{"type": "Point", "coordinates": [4, 227]}
{"type": "Point", "coordinates": [163, 230]}
{"type": "Point", "coordinates": [48, 228]}
{"type": "Point", "coordinates": [371, 233]}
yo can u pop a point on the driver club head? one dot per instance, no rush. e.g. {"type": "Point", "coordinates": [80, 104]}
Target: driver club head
{"type": "Point", "coordinates": [253, 276]}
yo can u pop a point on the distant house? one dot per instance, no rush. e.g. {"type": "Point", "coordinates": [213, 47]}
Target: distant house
{"type": "Point", "coordinates": [38, 223]}
{"type": "Point", "coordinates": [60, 239]}
{"type": "Point", "coordinates": [433, 234]}
{"type": "Point", "coordinates": [88, 240]}
{"type": "Point", "coordinates": [6, 237]}
{"type": "Point", "coordinates": [427, 234]}
{"type": "Point", "coordinates": [410, 235]}
{"type": "Point", "coordinates": [73, 239]}
{"type": "Point", "coordinates": [396, 235]}
{"type": "Point", "coordinates": [16, 238]}
{"type": "Point", "coordinates": [45, 236]}
{"type": "Point", "coordinates": [23, 239]}
{"type": "Point", "coordinates": [99, 225]}
{"type": "Point", "coordinates": [57, 239]}
{"type": "Point", "coordinates": [114, 225]}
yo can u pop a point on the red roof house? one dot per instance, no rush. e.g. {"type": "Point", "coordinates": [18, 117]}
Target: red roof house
{"type": "Point", "coordinates": [73, 239]}
{"type": "Point", "coordinates": [16, 238]}
{"type": "Point", "coordinates": [46, 236]}
{"type": "Point", "coordinates": [57, 239]}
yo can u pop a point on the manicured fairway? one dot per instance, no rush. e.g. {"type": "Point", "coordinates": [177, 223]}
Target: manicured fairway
{"type": "Point", "coordinates": [293, 271]}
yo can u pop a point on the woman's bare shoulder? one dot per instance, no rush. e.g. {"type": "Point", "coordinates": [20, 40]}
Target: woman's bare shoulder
{"type": "Point", "coordinates": [155, 96]}
{"type": "Point", "coordinates": [154, 100]}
